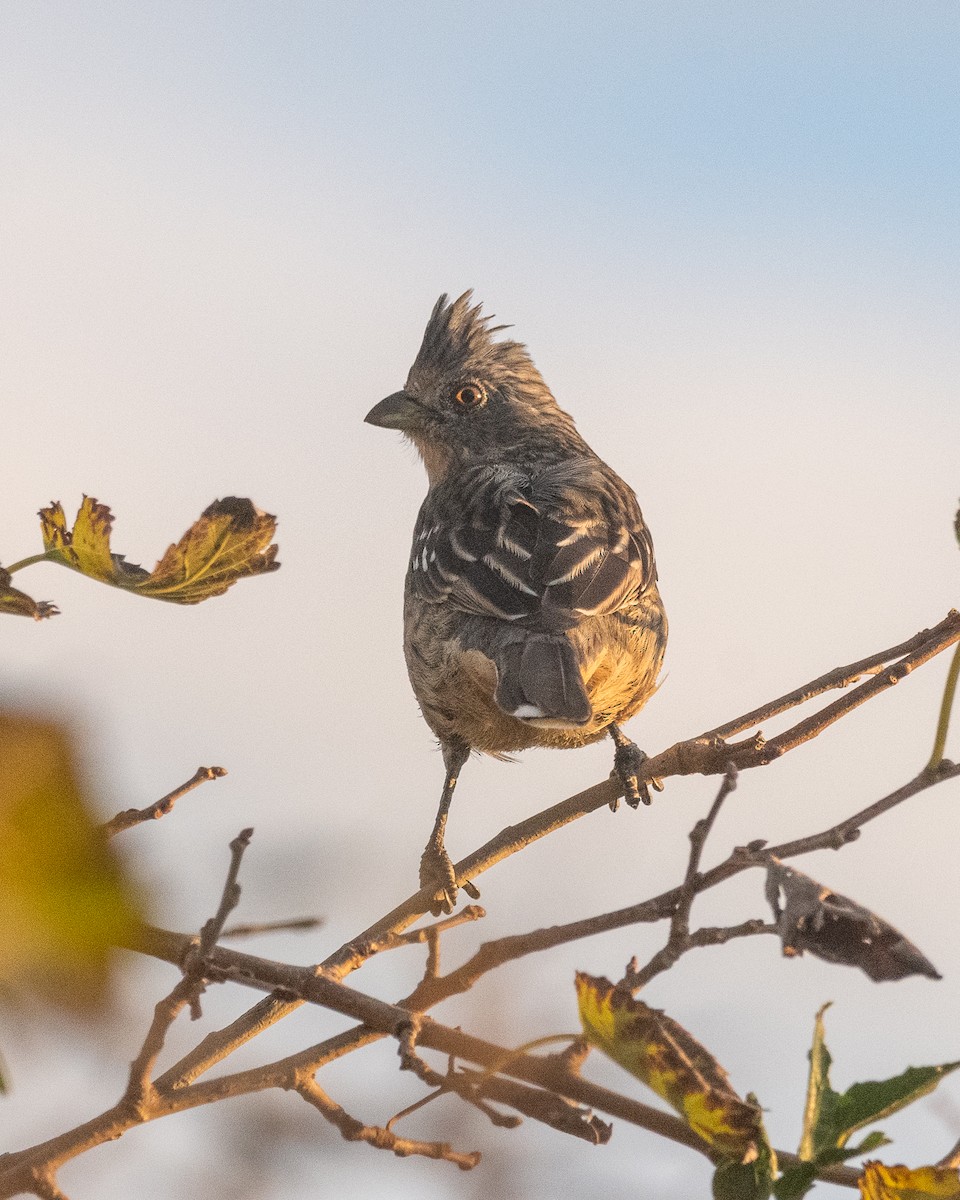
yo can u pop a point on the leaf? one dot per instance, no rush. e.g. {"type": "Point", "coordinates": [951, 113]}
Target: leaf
{"type": "Point", "coordinates": [751, 1179]}
{"type": "Point", "coordinates": [796, 1181]}
{"type": "Point", "coordinates": [743, 1181]}
{"type": "Point", "coordinates": [837, 929]}
{"type": "Point", "coordinates": [230, 540]}
{"type": "Point", "coordinates": [901, 1183]}
{"type": "Point", "coordinates": [831, 1117]}
{"type": "Point", "coordinates": [821, 1098]}
{"type": "Point", "coordinates": [63, 899]}
{"type": "Point", "coordinates": [864, 1103]}
{"type": "Point", "coordinates": [19, 603]}
{"type": "Point", "coordinates": [660, 1053]}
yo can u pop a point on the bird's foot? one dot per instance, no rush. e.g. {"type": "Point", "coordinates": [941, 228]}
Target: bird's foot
{"type": "Point", "coordinates": [627, 763]}
{"type": "Point", "coordinates": [437, 871]}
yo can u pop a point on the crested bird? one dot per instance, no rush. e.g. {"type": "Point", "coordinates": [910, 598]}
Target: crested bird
{"type": "Point", "coordinates": [531, 610]}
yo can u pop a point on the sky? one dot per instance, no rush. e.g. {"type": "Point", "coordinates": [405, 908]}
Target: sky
{"type": "Point", "coordinates": [729, 236]}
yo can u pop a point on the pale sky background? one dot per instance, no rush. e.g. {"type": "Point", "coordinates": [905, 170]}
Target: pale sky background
{"type": "Point", "coordinates": [729, 235]}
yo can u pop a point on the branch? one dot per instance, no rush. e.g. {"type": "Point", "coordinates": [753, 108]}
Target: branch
{"type": "Point", "coordinates": [375, 1135]}
{"type": "Point", "coordinates": [293, 925]}
{"type": "Point", "coordinates": [707, 754]}
{"type": "Point", "coordinates": [160, 808]}
{"type": "Point", "coordinates": [678, 941]}
{"type": "Point", "coordinates": [34, 1170]}
{"type": "Point", "coordinates": [840, 677]}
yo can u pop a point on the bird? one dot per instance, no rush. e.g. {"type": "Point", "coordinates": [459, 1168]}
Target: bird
{"type": "Point", "coordinates": [532, 615]}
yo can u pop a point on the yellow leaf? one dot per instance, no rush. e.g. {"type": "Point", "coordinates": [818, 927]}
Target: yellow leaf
{"type": "Point", "coordinates": [660, 1053]}
{"type": "Point", "coordinates": [230, 540]}
{"type": "Point", "coordinates": [19, 603]}
{"type": "Point", "coordinates": [901, 1183]}
{"type": "Point", "coordinates": [63, 900]}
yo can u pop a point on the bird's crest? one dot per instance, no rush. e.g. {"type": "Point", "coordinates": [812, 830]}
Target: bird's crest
{"type": "Point", "coordinates": [458, 337]}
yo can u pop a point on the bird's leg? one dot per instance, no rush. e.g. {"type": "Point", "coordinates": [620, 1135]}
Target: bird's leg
{"type": "Point", "coordinates": [436, 869]}
{"type": "Point", "coordinates": [627, 761]}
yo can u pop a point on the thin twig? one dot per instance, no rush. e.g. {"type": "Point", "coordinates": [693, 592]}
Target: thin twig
{"type": "Point", "coordinates": [678, 940]}
{"type": "Point", "coordinates": [294, 925]}
{"type": "Point", "coordinates": [376, 1135]}
{"type": "Point", "coordinates": [230, 897]}
{"type": "Point", "coordinates": [840, 677]}
{"type": "Point", "coordinates": [366, 948]}
{"type": "Point", "coordinates": [160, 808]}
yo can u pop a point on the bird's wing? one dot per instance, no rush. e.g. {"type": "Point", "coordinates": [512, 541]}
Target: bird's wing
{"type": "Point", "coordinates": [543, 549]}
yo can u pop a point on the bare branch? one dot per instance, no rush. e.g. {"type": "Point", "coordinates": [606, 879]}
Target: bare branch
{"type": "Point", "coordinates": [839, 677]}
{"type": "Point", "coordinates": [230, 898]}
{"type": "Point", "coordinates": [707, 754]}
{"type": "Point", "coordinates": [556, 1079]}
{"type": "Point", "coordinates": [376, 1135]}
{"type": "Point", "coordinates": [160, 808]}
{"type": "Point", "coordinates": [293, 925]}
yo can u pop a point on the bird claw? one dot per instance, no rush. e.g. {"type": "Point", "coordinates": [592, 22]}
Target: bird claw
{"type": "Point", "coordinates": [437, 871]}
{"type": "Point", "coordinates": [627, 762]}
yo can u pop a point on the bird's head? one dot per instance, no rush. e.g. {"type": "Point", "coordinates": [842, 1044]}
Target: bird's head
{"type": "Point", "coordinates": [469, 398]}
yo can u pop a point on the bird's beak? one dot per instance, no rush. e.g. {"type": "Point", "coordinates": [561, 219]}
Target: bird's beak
{"type": "Point", "coordinates": [398, 411]}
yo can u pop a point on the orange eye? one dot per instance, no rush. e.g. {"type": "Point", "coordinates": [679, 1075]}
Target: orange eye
{"type": "Point", "coordinates": [471, 395]}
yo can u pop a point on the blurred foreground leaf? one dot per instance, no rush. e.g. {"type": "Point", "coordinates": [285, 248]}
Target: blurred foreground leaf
{"type": "Point", "coordinates": [901, 1183]}
{"type": "Point", "coordinates": [230, 540]}
{"type": "Point", "coordinates": [63, 899]}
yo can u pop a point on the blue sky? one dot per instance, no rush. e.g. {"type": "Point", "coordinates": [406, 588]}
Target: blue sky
{"type": "Point", "coordinates": [728, 234]}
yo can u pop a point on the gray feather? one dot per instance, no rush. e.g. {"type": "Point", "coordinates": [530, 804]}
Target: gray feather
{"type": "Point", "coordinates": [539, 678]}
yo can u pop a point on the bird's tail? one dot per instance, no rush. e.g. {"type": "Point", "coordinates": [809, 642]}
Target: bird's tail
{"type": "Point", "coordinates": [539, 681]}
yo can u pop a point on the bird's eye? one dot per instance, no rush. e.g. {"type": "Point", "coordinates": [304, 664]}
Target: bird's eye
{"type": "Point", "coordinates": [471, 395]}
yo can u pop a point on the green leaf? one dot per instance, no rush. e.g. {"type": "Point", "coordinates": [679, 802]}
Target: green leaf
{"type": "Point", "coordinates": [821, 1098]}
{"type": "Point", "coordinates": [64, 902]}
{"type": "Point", "coordinates": [19, 603]}
{"type": "Point", "coordinates": [750, 1179]}
{"type": "Point", "coordinates": [795, 1181]}
{"type": "Point", "coordinates": [742, 1181]}
{"type": "Point", "coordinates": [830, 1117]}
{"type": "Point", "coordinates": [229, 541]}
{"type": "Point", "coordinates": [864, 1103]}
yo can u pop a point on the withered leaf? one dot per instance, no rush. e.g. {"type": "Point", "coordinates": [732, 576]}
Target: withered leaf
{"type": "Point", "coordinates": [231, 540]}
{"type": "Point", "coordinates": [837, 929]}
{"type": "Point", "coordinates": [664, 1056]}
{"type": "Point", "coordinates": [901, 1183]}
{"type": "Point", "coordinates": [20, 604]}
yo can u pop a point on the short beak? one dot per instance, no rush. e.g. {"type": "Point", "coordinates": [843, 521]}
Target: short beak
{"type": "Point", "coordinates": [398, 411]}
